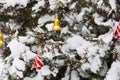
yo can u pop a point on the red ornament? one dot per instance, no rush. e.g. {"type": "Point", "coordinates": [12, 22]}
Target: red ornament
{"type": "Point", "coordinates": [38, 62]}
{"type": "Point", "coordinates": [117, 33]}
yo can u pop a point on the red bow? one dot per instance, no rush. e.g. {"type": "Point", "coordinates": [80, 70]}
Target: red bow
{"type": "Point", "coordinates": [117, 33]}
{"type": "Point", "coordinates": [38, 62]}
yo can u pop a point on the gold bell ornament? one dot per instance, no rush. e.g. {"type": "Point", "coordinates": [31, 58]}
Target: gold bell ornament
{"type": "Point", "coordinates": [1, 40]}
{"type": "Point", "coordinates": [56, 26]}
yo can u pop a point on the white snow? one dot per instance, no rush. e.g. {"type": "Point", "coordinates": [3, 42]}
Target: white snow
{"type": "Point", "coordinates": [28, 55]}
{"type": "Point", "coordinates": [17, 68]}
{"type": "Point", "coordinates": [80, 15]}
{"type": "Point", "coordinates": [26, 39]}
{"type": "Point", "coordinates": [41, 3]}
{"type": "Point", "coordinates": [69, 19]}
{"type": "Point", "coordinates": [65, 30]}
{"type": "Point", "coordinates": [45, 70]}
{"type": "Point", "coordinates": [99, 21]}
{"type": "Point", "coordinates": [56, 3]}
{"type": "Point", "coordinates": [83, 11]}
{"type": "Point", "coordinates": [2, 69]}
{"type": "Point", "coordinates": [90, 52]}
{"type": "Point", "coordinates": [13, 25]}
{"type": "Point", "coordinates": [49, 26]}
{"type": "Point", "coordinates": [73, 43]}
{"type": "Point", "coordinates": [16, 48]}
{"type": "Point", "coordinates": [112, 4]}
{"type": "Point", "coordinates": [85, 31]}
{"type": "Point", "coordinates": [72, 6]}
{"type": "Point", "coordinates": [44, 19]}
{"type": "Point", "coordinates": [100, 2]}
{"type": "Point", "coordinates": [107, 37]}
{"type": "Point", "coordinates": [38, 29]}
{"type": "Point", "coordinates": [12, 3]}
{"type": "Point", "coordinates": [37, 77]}
{"type": "Point", "coordinates": [55, 71]}
{"type": "Point", "coordinates": [66, 77]}
{"type": "Point", "coordinates": [18, 51]}
{"type": "Point", "coordinates": [52, 4]}
{"type": "Point", "coordinates": [64, 1]}
{"type": "Point", "coordinates": [114, 72]}
{"type": "Point", "coordinates": [69, 0]}
{"type": "Point", "coordinates": [87, 49]}
{"type": "Point", "coordinates": [74, 75]}
{"type": "Point", "coordinates": [48, 55]}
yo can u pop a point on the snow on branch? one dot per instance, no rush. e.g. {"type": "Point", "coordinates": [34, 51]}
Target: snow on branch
{"type": "Point", "coordinates": [114, 72]}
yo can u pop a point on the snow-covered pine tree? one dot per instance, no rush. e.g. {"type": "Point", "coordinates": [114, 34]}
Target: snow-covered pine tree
{"type": "Point", "coordinates": [84, 49]}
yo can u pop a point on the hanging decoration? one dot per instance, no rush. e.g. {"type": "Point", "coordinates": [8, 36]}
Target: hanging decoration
{"type": "Point", "coordinates": [1, 39]}
{"type": "Point", "coordinates": [117, 33]}
{"type": "Point", "coordinates": [56, 26]}
{"type": "Point", "coordinates": [38, 64]}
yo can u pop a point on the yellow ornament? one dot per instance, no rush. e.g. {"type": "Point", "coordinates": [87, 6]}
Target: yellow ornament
{"type": "Point", "coordinates": [1, 40]}
{"type": "Point", "coordinates": [56, 26]}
